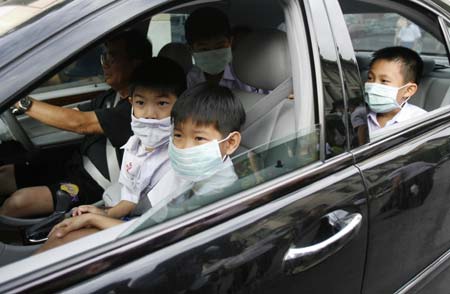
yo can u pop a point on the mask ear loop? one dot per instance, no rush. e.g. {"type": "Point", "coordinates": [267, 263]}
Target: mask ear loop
{"type": "Point", "coordinates": [221, 141]}
{"type": "Point", "coordinates": [404, 102]}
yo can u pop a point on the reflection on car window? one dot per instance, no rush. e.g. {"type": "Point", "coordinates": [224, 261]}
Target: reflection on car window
{"type": "Point", "coordinates": [86, 70]}
{"type": "Point", "coordinates": [253, 167]}
{"type": "Point", "coordinates": [373, 31]}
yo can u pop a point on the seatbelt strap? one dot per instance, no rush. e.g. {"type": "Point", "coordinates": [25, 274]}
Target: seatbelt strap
{"type": "Point", "coordinates": [111, 160]}
{"type": "Point", "coordinates": [95, 173]}
{"type": "Point", "coordinates": [266, 104]}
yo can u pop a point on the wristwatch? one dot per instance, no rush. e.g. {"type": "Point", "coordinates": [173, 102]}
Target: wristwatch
{"type": "Point", "coordinates": [22, 106]}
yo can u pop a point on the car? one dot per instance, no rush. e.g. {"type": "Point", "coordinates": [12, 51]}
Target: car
{"type": "Point", "coordinates": [321, 205]}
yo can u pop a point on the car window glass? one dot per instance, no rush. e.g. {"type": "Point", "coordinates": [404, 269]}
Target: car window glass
{"type": "Point", "coordinates": [272, 145]}
{"type": "Point", "coordinates": [373, 26]}
{"type": "Point", "coordinates": [373, 31]}
{"type": "Point", "coordinates": [84, 71]}
{"type": "Point", "coordinates": [166, 28]}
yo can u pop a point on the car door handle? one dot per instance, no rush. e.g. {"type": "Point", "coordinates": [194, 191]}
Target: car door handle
{"type": "Point", "coordinates": [346, 226]}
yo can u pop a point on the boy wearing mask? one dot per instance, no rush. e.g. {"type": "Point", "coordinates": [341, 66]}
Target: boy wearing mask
{"type": "Point", "coordinates": [393, 78]}
{"type": "Point", "coordinates": [206, 119]}
{"type": "Point", "coordinates": [155, 86]}
{"type": "Point", "coordinates": [208, 35]}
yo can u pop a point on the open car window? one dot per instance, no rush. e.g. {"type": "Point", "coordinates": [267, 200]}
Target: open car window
{"type": "Point", "coordinates": [374, 25]}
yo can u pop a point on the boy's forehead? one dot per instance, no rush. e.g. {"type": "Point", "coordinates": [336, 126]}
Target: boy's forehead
{"type": "Point", "coordinates": [388, 67]}
{"type": "Point", "coordinates": [150, 93]}
{"type": "Point", "coordinates": [195, 126]}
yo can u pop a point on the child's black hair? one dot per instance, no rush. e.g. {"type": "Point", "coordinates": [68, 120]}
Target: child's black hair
{"type": "Point", "coordinates": [159, 74]}
{"type": "Point", "coordinates": [412, 64]}
{"type": "Point", "coordinates": [206, 23]}
{"type": "Point", "coordinates": [209, 104]}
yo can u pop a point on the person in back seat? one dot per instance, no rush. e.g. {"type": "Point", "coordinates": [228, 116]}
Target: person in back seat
{"type": "Point", "coordinates": [208, 34]}
{"type": "Point", "coordinates": [393, 78]}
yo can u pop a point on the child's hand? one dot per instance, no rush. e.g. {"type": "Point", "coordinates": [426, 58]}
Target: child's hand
{"type": "Point", "coordinates": [87, 209]}
{"type": "Point", "coordinates": [70, 224]}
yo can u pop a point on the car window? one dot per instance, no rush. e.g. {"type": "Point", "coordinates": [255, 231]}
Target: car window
{"type": "Point", "coordinates": [272, 144]}
{"type": "Point", "coordinates": [166, 28]}
{"type": "Point", "coordinates": [373, 26]}
{"type": "Point", "coordinates": [86, 71]}
{"type": "Point", "coordinates": [373, 31]}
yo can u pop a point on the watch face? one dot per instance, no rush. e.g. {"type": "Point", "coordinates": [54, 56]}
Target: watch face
{"type": "Point", "coordinates": [25, 102]}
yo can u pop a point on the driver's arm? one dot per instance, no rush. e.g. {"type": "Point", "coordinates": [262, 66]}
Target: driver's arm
{"type": "Point", "coordinates": [82, 122]}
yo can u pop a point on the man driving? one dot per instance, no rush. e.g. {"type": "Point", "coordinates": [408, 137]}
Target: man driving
{"type": "Point", "coordinates": [106, 123]}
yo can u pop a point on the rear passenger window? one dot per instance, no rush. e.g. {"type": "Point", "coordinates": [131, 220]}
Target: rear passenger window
{"type": "Point", "coordinates": [373, 31]}
{"type": "Point", "coordinates": [166, 28]}
{"type": "Point", "coordinates": [374, 25]}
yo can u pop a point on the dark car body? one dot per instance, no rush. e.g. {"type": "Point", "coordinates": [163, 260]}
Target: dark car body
{"type": "Point", "coordinates": [387, 199]}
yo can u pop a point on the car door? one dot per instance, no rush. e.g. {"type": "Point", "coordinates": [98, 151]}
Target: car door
{"type": "Point", "coordinates": [406, 170]}
{"type": "Point", "coordinates": [303, 227]}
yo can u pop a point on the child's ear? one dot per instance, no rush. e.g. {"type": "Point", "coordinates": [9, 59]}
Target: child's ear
{"type": "Point", "coordinates": [410, 90]}
{"type": "Point", "coordinates": [232, 143]}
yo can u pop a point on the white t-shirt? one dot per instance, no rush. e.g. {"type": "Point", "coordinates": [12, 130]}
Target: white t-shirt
{"type": "Point", "coordinates": [407, 112]}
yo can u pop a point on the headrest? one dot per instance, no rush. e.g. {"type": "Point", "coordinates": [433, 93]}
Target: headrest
{"type": "Point", "coordinates": [261, 59]}
{"type": "Point", "coordinates": [428, 65]}
{"type": "Point", "coordinates": [179, 53]}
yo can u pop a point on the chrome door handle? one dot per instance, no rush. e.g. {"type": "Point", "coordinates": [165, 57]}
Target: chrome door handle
{"type": "Point", "coordinates": [347, 226]}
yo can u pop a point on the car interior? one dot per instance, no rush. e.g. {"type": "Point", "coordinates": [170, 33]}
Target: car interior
{"type": "Point", "coordinates": [273, 143]}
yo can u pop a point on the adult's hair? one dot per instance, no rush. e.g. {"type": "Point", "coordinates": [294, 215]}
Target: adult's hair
{"type": "Point", "coordinates": [410, 61]}
{"type": "Point", "coordinates": [137, 45]}
{"type": "Point", "coordinates": [206, 23]}
{"type": "Point", "coordinates": [209, 104]}
{"type": "Point", "coordinates": [159, 74]}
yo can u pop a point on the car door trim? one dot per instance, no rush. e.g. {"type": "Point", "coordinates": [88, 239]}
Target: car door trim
{"type": "Point", "coordinates": [427, 274]}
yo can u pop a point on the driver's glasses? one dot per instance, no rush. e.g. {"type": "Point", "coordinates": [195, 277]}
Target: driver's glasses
{"type": "Point", "coordinates": [107, 59]}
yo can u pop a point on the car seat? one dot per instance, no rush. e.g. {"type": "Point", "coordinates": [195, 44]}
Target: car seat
{"type": "Point", "coordinates": [179, 53]}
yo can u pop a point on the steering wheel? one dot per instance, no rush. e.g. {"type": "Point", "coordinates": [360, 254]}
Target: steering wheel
{"type": "Point", "coordinates": [17, 131]}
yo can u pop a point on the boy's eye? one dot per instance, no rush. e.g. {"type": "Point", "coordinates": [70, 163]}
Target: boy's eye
{"type": "Point", "coordinates": [385, 81]}
{"type": "Point", "coordinates": [200, 139]}
{"type": "Point", "coordinates": [139, 102]}
{"type": "Point", "coordinates": [163, 103]}
{"type": "Point", "coordinates": [177, 135]}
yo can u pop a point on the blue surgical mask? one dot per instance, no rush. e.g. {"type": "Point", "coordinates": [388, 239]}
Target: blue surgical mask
{"type": "Point", "coordinates": [196, 163]}
{"type": "Point", "coordinates": [213, 61]}
{"type": "Point", "coordinates": [382, 98]}
{"type": "Point", "coordinates": [152, 132]}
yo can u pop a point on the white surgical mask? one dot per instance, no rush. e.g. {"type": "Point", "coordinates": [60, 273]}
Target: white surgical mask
{"type": "Point", "coordinates": [196, 163]}
{"type": "Point", "coordinates": [213, 61]}
{"type": "Point", "coordinates": [382, 98]}
{"type": "Point", "coordinates": [152, 132]}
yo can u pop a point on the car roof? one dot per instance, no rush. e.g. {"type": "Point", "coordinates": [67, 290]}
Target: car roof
{"type": "Point", "coordinates": [44, 25]}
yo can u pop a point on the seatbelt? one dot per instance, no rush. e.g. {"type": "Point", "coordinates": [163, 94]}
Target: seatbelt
{"type": "Point", "coordinates": [111, 160]}
{"type": "Point", "coordinates": [266, 104]}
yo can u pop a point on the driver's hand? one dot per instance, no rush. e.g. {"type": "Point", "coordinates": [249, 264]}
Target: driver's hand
{"type": "Point", "coordinates": [87, 209]}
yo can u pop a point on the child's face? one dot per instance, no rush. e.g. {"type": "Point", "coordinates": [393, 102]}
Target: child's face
{"type": "Point", "coordinates": [189, 134]}
{"type": "Point", "coordinates": [219, 42]}
{"type": "Point", "coordinates": [151, 104]}
{"type": "Point", "coordinates": [390, 73]}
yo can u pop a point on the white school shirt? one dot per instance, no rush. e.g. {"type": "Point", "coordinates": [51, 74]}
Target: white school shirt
{"type": "Point", "coordinates": [173, 188]}
{"type": "Point", "coordinates": [141, 170]}
{"type": "Point", "coordinates": [229, 80]}
{"type": "Point", "coordinates": [407, 112]}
